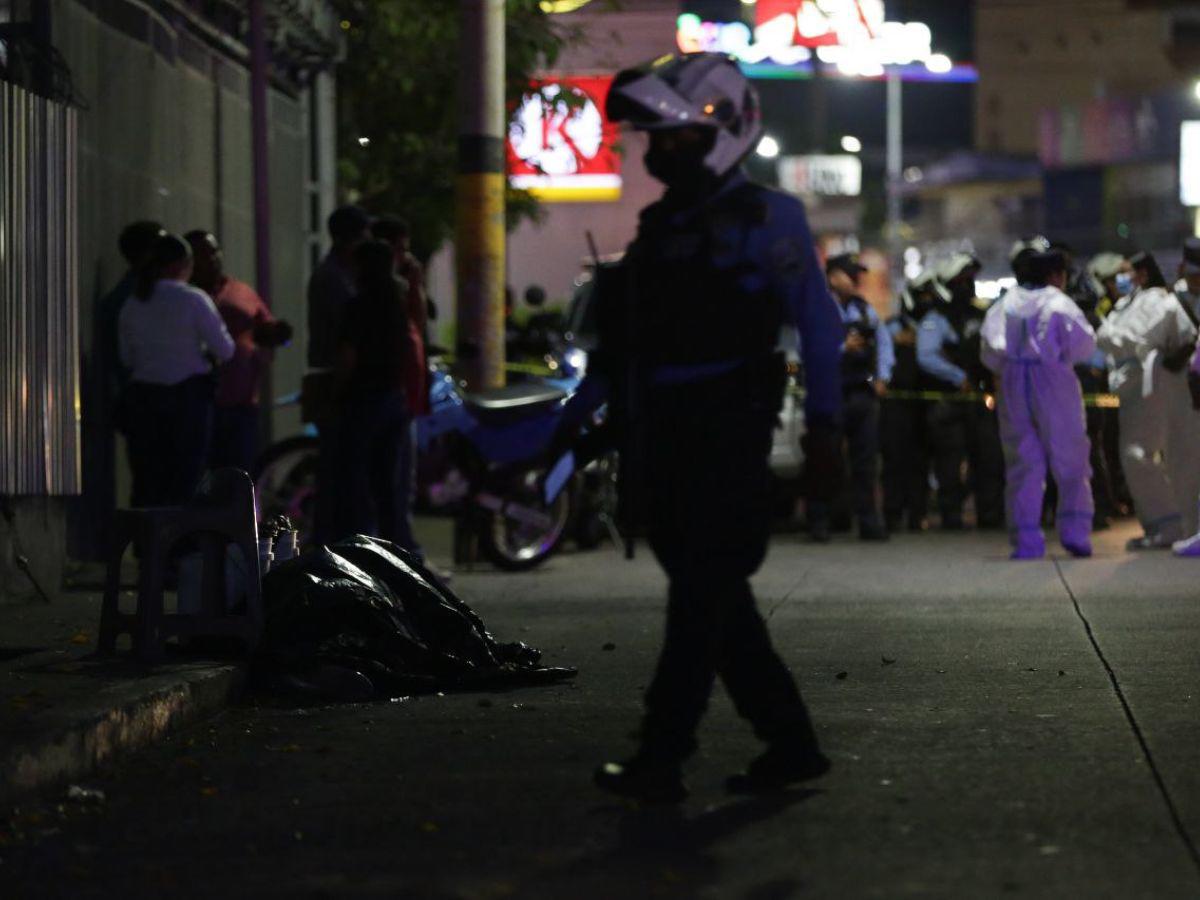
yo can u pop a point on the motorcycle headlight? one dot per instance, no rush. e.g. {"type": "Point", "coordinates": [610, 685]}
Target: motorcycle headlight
{"type": "Point", "coordinates": [577, 360]}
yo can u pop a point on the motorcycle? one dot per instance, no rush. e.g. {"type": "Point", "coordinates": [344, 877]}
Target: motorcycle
{"type": "Point", "coordinates": [479, 459]}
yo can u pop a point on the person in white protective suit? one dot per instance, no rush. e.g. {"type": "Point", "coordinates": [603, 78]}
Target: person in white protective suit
{"type": "Point", "coordinates": [1032, 339]}
{"type": "Point", "coordinates": [1191, 546]}
{"type": "Point", "coordinates": [1188, 290]}
{"type": "Point", "coordinates": [1148, 336]}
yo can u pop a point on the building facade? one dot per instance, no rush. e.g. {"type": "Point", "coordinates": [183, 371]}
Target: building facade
{"type": "Point", "coordinates": [160, 93]}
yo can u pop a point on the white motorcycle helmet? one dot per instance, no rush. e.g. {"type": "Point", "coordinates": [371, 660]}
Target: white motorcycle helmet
{"type": "Point", "coordinates": [1102, 267]}
{"type": "Point", "coordinates": [692, 89]}
{"type": "Point", "coordinates": [950, 269]}
{"type": "Point", "coordinates": [922, 292]}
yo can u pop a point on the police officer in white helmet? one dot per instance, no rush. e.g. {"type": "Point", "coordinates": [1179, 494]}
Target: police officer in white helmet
{"type": "Point", "coordinates": [687, 359]}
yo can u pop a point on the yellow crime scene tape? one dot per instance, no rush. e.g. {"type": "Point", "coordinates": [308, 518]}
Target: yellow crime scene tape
{"type": "Point", "coordinates": [1098, 401]}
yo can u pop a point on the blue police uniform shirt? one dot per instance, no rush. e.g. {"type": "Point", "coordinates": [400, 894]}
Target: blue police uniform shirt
{"type": "Point", "coordinates": [776, 252]}
{"type": "Point", "coordinates": [935, 333]}
{"type": "Point", "coordinates": [885, 352]}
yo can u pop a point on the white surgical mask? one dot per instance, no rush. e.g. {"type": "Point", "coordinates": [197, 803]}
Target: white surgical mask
{"type": "Point", "coordinates": [1124, 283]}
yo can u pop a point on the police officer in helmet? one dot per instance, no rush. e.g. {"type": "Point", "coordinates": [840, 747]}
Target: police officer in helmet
{"type": "Point", "coordinates": [903, 438]}
{"type": "Point", "coordinates": [687, 360]}
{"type": "Point", "coordinates": [867, 362]}
{"type": "Point", "coordinates": [948, 353]}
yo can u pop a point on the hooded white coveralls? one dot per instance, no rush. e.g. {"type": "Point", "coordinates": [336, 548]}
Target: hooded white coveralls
{"type": "Point", "coordinates": [1032, 339]}
{"type": "Point", "coordinates": [1159, 430]}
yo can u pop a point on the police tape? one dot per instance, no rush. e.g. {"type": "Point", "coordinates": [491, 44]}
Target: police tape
{"type": "Point", "coordinates": [1097, 401]}
{"type": "Point", "coordinates": [539, 370]}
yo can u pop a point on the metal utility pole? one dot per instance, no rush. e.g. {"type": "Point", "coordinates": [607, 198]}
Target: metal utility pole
{"type": "Point", "coordinates": [895, 164]}
{"type": "Point", "coordinates": [479, 233]}
{"type": "Point", "coordinates": [258, 138]}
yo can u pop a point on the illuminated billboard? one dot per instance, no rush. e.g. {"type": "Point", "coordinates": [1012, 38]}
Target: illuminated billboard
{"type": "Point", "coordinates": [851, 38]}
{"type": "Point", "coordinates": [561, 146]}
{"type": "Point", "coordinates": [821, 176]}
{"type": "Point", "coordinates": [1189, 163]}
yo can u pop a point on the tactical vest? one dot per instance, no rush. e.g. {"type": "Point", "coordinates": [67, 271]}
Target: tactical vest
{"type": "Point", "coordinates": [858, 369]}
{"type": "Point", "coordinates": [689, 293]}
{"type": "Point", "coordinates": [967, 354]}
{"type": "Point", "coordinates": [906, 374]}
{"type": "Point", "coordinates": [699, 297]}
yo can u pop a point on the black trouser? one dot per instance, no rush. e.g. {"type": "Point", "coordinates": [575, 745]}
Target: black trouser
{"type": "Point", "coordinates": [707, 490]}
{"type": "Point", "coordinates": [961, 430]}
{"type": "Point", "coordinates": [860, 433]}
{"type": "Point", "coordinates": [1112, 456]}
{"type": "Point", "coordinates": [1103, 498]}
{"type": "Point", "coordinates": [168, 428]}
{"type": "Point", "coordinates": [373, 478]}
{"type": "Point", "coordinates": [905, 459]}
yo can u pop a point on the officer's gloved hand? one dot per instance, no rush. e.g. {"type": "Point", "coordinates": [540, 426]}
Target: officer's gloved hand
{"type": "Point", "coordinates": [823, 470]}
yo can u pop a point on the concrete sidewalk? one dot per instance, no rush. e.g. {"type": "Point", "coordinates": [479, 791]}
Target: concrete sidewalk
{"type": "Point", "coordinates": [63, 712]}
{"type": "Point", "coordinates": [997, 729]}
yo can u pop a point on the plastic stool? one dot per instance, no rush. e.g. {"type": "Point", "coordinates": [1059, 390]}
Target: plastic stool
{"type": "Point", "coordinates": [222, 512]}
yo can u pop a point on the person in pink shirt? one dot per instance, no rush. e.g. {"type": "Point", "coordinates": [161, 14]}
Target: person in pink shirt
{"type": "Point", "coordinates": [394, 231]}
{"type": "Point", "coordinates": [255, 332]}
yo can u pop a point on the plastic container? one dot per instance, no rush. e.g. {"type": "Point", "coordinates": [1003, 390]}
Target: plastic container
{"type": "Point", "coordinates": [286, 546]}
{"type": "Point", "coordinates": [265, 556]}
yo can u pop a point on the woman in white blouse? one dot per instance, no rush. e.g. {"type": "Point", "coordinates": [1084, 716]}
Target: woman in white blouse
{"type": "Point", "coordinates": [170, 337]}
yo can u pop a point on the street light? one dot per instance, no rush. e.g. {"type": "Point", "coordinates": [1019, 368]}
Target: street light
{"type": "Point", "coordinates": [939, 64]}
{"type": "Point", "coordinates": [1196, 89]}
{"type": "Point", "coordinates": [851, 144]}
{"type": "Point", "coordinates": [768, 147]}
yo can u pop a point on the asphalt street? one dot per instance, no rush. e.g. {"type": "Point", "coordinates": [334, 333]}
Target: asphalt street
{"type": "Point", "coordinates": [997, 729]}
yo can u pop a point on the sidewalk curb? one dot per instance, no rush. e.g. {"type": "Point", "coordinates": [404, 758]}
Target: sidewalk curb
{"type": "Point", "coordinates": [133, 718]}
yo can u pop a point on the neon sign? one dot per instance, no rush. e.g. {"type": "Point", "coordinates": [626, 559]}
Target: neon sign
{"type": "Point", "coordinates": [560, 144]}
{"type": "Point", "coordinates": [852, 36]}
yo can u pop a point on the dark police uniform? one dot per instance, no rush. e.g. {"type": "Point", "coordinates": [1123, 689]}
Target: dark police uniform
{"type": "Point", "coordinates": [860, 413]}
{"type": "Point", "coordinates": [948, 352]}
{"type": "Point", "coordinates": [903, 433]}
{"type": "Point", "coordinates": [689, 325]}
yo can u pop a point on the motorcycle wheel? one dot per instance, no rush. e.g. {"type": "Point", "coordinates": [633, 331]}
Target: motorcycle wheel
{"type": "Point", "coordinates": [515, 545]}
{"type": "Point", "coordinates": [596, 500]}
{"type": "Point", "coordinates": [285, 483]}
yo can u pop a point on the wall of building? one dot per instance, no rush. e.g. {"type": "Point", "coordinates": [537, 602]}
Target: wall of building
{"type": "Point", "coordinates": [1037, 53]}
{"type": "Point", "coordinates": [165, 134]}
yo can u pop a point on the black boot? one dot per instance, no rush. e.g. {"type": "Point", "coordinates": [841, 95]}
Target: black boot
{"type": "Point", "coordinates": [781, 765]}
{"type": "Point", "coordinates": [644, 779]}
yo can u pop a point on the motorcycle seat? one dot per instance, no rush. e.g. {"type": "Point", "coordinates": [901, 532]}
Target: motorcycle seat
{"type": "Point", "coordinates": [501, 406]}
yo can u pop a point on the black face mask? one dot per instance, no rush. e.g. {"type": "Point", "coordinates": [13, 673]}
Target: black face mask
{"type": "Point", "coordinates": [961, 292]}
{"type": "Point", "coordinates": [681, 168]}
